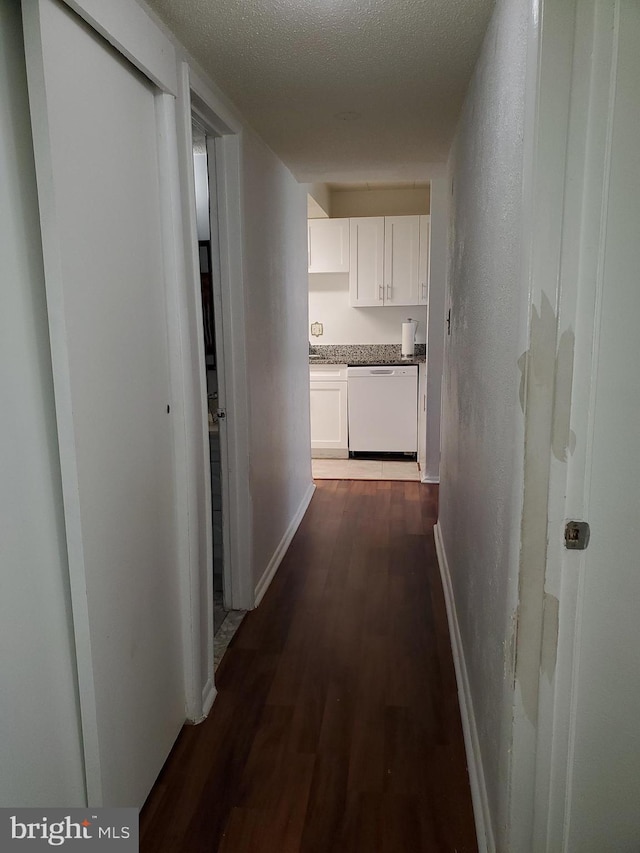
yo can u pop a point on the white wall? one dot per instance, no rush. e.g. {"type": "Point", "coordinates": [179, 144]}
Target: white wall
{"type": "Point", "coordinates": [275, 267]}
{"type": "Point", "coordinates": [40, 740]}
{"type": "Point", "coordinates": [319, 201]}
{"type": "Point", "coordinates": [380, 202]}
{"type": "Point", "coordinates": [482, 421]}
{"type": "Point", "coordinates": [342, 324]}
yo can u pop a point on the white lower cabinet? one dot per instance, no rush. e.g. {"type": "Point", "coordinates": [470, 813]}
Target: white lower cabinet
{"type": "Point", "coordinates": [329, 425]}
{"type": "Point", "coordinates": [422, 417]}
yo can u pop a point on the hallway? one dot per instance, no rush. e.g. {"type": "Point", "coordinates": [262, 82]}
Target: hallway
{"type": "Point", "coordinates": [336, 727]}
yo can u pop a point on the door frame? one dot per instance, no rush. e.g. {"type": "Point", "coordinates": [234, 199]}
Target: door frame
{"type": "Point", "coordinates": [564, 193]}
{"type": "Point", "coordinates": [588, 35]}
{"type": "Point", "coordinates": [541, 681]}
{"type": "Point", "coordinates": [132, 33]}
{"type": "Point", "coordinates": [196, 98]}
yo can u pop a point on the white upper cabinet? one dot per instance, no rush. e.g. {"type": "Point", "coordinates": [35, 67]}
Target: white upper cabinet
{"type": "Point", "coordinates": [401, 260]}
{"type": "Point", "coordinates": [366, 271]}
{"type": "Point", "coordinates": [389, 260]}
{"type": "Point", "coordinates": [423, 263]}
{"type": "Point", "coordinates": [328, 245]}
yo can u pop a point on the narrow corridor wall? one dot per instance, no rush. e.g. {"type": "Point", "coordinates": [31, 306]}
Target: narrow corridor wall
{"type": "Point", "coordinates": [482, 421]}
{"type": "Point", "coordinates": [276, 312]}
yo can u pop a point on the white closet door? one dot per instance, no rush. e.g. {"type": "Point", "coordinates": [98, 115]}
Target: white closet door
{"type": "Point", "coordinates": [96, 139]}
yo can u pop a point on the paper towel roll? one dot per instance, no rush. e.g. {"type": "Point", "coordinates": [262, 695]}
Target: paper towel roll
{"type": "Point", "coordinates": [408, 338]}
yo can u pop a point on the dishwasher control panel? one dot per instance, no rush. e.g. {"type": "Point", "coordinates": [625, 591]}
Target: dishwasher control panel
{"type": "Point", "coordinates": [384, 370]}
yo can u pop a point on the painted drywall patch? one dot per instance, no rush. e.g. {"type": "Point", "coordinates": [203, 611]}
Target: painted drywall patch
{"type": "Point", "coordinates": [547, 373]}
{"type": "Point", "coordinates": [538, 362]}
{"type": "Point", "coordinates": [546, 367]}
{"type": "Point", "coordinates": [545, 397]}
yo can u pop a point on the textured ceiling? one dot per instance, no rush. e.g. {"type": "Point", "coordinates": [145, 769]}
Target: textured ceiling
{"type": "Point", "coordinates": [341, 90]}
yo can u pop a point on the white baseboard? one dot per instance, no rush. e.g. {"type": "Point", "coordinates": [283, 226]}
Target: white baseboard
{"type": "Point", "coordinates": [427, 479]}
{"type": "Point", "coordinates": [208, 695]}
{"type": "Point", "coordinates": [263, 584]}
{"type": "Point", "coordinates": [482, 815]}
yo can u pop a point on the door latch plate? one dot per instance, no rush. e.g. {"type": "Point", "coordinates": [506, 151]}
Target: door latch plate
{"type": "Point", "coordinates": [576, 535]}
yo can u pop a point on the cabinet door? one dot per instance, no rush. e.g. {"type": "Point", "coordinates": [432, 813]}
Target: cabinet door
{"type": "Point", "coordinates": [423, 263]}
{"type": "Point", "coordinates": [329, 419]}
{"type": "Point", "coordinates": [401, 260]}
{"type": "Point", "coordinates": [328, 245]}
{"type": "Point", "coordinates": [367, 261]}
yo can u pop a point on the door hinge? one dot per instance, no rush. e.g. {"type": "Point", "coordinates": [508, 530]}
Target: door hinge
{"type": "Point", "coordinates": [576, 535]}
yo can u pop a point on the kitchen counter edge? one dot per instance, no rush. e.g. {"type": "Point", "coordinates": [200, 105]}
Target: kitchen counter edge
{"type": "Point", "coordinates": [418, 359]}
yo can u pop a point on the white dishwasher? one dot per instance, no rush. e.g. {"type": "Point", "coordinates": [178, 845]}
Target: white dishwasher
{"type": "Point", "coordinates": [383, 409]}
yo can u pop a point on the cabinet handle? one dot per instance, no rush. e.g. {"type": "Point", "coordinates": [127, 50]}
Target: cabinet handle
{"type": "Point", "coordinates": [423, 286]}
{"type": "Point", "coordinates": [388, 291]}
{"type": "Point", "coordinates": [380, 293]}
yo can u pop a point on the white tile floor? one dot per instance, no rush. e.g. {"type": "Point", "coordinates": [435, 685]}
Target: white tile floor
{"type": "Point", "coordinates": [364, 469]}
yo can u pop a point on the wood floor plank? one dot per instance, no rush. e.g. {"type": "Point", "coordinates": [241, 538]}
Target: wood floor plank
{"type": "Point", "coordinates": [336, 726]}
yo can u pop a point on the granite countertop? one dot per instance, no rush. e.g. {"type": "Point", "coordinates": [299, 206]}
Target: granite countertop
{"type": "Point", "coordinates": [361, 355]}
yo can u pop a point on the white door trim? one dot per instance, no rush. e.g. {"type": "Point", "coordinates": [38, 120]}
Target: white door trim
{"type": "Point", "coordinates": [564, 196]}
{"type": "Point", "coordinates": [229, 188]}
{"type": "Point", "coordinates": [195, 97]}
{"type": "Point", "coordinates": [63, 406]}
{"type": "Point", "coordinates": [547, 105]}
{"type": "Point", "coordinates": [131, 31]}
{"type": "Point", "coordinates": [222, 337]}
{"type": "Point", "coordinates": [592, 42]}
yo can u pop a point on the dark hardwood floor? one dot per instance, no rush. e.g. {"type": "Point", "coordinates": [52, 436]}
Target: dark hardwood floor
{"type": "Point", "coordinates": [336, 728]}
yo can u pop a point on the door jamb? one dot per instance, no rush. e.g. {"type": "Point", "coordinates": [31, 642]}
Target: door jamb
{"type": "Point", "coordinates": [579, 284]}
{"type": "Point", "coordinates": [194, 96]}
{"type": "Point", "coordinates": [547, 106]}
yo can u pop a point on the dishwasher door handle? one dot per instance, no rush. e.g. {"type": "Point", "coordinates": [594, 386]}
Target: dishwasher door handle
{"type": "Point", "coordinates": [389, 372]}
